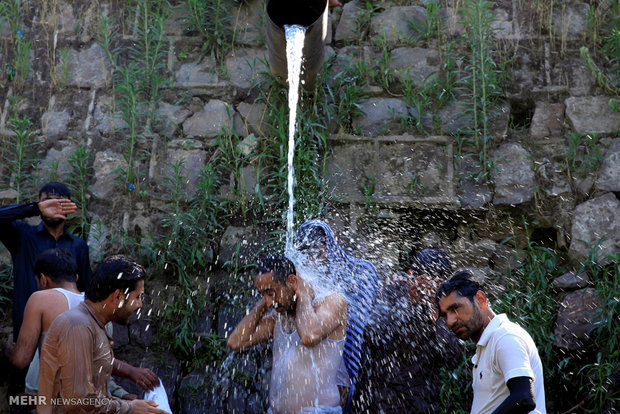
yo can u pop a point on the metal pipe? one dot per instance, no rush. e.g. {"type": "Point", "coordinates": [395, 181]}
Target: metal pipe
{"type": "Point", "coordinates": [311, 14]}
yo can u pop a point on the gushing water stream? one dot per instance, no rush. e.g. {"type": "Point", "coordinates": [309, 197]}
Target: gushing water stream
{"type": "Point", "coordinates": [295, 36]}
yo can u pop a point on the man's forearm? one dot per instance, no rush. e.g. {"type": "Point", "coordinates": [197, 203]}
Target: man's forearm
{"type": "Point", "coordinates": [521, 399]}
{"type": "Point", "coordinates": [307, 322]}
{"type": "Point", "coordinates": [241, 336]}
{"type": "Point", "coordinates": [19, 211]}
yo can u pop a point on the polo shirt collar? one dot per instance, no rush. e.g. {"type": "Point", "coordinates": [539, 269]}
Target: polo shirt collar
{"type": "Point", "coordinates": [495, 323]}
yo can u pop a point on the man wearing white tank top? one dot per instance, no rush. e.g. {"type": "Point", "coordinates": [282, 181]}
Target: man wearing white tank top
{"type": "Point", "coordinates": [56, 276]}
{"type": "Point", "coordinates": [308, 339]}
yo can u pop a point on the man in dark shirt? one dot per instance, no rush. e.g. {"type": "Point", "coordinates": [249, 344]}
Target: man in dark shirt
{"type": "Point", "coordinates": [407, 348]}
{"type": "Point", "coordinates": [25, 242]}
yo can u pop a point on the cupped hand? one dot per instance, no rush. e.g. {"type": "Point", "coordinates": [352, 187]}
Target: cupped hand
{"type": "Point", "coordinates": [144, 377]}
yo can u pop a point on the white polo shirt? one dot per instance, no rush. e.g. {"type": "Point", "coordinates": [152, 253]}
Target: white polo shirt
{"type": "Point", "coordinates": [504, 351]}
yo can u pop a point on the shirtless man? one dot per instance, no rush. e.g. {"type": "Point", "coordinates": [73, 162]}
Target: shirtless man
{"type": "Point", "coordinates": [308, 338]}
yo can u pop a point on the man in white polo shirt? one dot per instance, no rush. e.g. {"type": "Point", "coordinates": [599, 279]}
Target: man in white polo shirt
{"type": "Point", "coordinates": [507, 373]}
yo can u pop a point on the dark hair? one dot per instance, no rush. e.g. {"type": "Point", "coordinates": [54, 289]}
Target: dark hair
{"type": "Point", "coordinates": [58, 189]}
{"type": "Point", "coordinates": [310, 236]}
{"type": "Point", "coordinates": [57, 264]}
{"type": "Point", "coordinates": [114, 272]}
{"type": "Point", "coordinates": [280, 266]}
{"type": "Point", "coordinates": [463, 283]}
{"type": "Point", "coordinates": [432, 261]}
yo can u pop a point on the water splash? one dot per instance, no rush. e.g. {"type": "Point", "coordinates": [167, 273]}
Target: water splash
{"type": "Point", "coordinates": [295, 36]}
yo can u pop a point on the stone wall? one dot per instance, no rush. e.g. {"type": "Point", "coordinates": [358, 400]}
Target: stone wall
{"type": "Point", "coordinates": [550, 92]}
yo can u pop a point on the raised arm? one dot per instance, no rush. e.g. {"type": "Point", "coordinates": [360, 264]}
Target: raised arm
{"type": "Point", "coordinates": [315, 324]}
{"type": "Point", "coordinates": [256, 327]}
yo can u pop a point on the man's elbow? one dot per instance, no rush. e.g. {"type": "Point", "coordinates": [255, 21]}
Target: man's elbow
{"type": "Point", "coordinates": [309, 340]}
{"type": "Point", "coordinates": [19, 361]}
{"type": "Point", "coordinates": [233, 343]}
{"type": "Point", "coordinates": [527, 404]}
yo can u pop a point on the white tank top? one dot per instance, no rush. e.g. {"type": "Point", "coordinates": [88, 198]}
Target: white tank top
{"type": "Point", "coordinates": [302, 377]}
{"type": "Point", "coordinates": [32, 377]}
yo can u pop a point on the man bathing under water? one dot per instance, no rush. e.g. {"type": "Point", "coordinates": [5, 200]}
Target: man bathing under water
{"type": "Point", "coordinates": [308, 338]}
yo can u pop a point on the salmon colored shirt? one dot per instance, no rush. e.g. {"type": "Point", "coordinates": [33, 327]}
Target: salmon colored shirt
{"type": "Point", "coordinates": [76, 365]}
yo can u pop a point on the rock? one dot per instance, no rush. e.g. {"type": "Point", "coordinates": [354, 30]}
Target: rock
{"type": "Point", "coordinates": [472, 193]}
{"type": "Point", "coordinates": [502, 24]}
{"type": "Point", "coordinates": [254, 117]}
{"type": "Point", "coordinates": [63, 17]}
{"type": "Point", "coordinates": [592, 115]}
{"type": "Point", "coordinates": [347, 29]}
{"type": "Point", "coordinates": [414, 64]}
{"type": "Point", "coordinates": [196, 75]}
{"type": "Point", "coordinates": [105, 166]}
{"type": "Point", "coordinates": [512, 175]}
{"type": "Point", "coordinates": [475, 254]}
{"type": "Point", "coordinates": [176, 22]}
{"type": "Point", "coordinates": [58, 161]}
{"type": "Point", "coordinates": [196, 392]}
{"type": "Point", "coordinates": [105, 120]}
{"type": "Point", "coordinates": [8, 196]}
{"type": "Point", "coordinates": [596, 221]}
{"type": "Point", "coordinates": [235, 403]}
{"type": "Point", "coordinates": [570, 21]}
{"type": "Point", "coordinates": [54, 124]}
{"type": "Point", "coordinates": [381, 116]}
{"type": "Point", "coordinates": [575, 320]}
{"type": "Point", "coordinates": [246, 239]}
{"type": "Point", "coordinates": [227, 318]}
{"type": "Point", "coordinates": [609, 174]}
{"type": "Point", "coordinates": [552, 178]}
{"type": "Point", "coordinates": [120, 334]}
{"type": "Point", "coordinates": [140, 329]}
{"type": "Point", "coordinates": [193, 163]}
{"type": "Point", "coordinates": [171, 116]}
{"type": "Point", "coordinates": [505, 259]}
{"type": "Point", "coordinates": [571, 281]}
{"type": "Point", "coordinates": [209, 122]}
{"type": "Point", "coordinates": [254, 404]}
{"type": "Point", "coordinates": [88, 68]}
{"type": "Point", "coordinates": [396, 23]}
{"type": "Point", "coordinates": [244, 67]}
{"type": "Point", "coordinates": [548, 120]}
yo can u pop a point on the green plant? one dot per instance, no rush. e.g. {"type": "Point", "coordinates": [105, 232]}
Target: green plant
{"type": "Point", "coordinates": [601, 78]}
{"type": "Point", "coordinates": [383, 73]}
{"type": "Point", "coordinates": [21, 155]}
{"type": "Point", "coordinates": [368, 190]}
{"type": "Point", "coordinates": [597, 375]}
{"type": "Point", "coordinates": [149, 51]}
{"type": "Point", "coordinates": [210, 19]}
{"type": "Point", "coordinates": [12, 11]}
{"type": "Point", "coordinates": [129, 100]}
{"type": "Point", "coordinates": [415, 187]}
{"type": "Point", "coordinates": [79, 183]}
{"type": "Point", "coordinates": [21, 63]}
{"type": "Point", "coordinates": [454, 382]}
{"type": "Point", "coordinates": [64, 67]}
{"type": "Point", "coordinates": [431, 29]}
{"type": "Point", "coordinates": [482, 76]}
{"type": "Point", "coordinates": [314, 110]}
{"type": "Point", "coordinates": [344, 93]}
{"type": "Point", "coordinates": [583, 153]}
